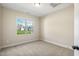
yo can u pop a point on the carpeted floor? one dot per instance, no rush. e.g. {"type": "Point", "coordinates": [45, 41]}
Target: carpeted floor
{"type": "Point", "coordinates": [37, 48]}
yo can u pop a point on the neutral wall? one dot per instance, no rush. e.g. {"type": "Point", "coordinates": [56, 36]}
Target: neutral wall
{"type": "Point", "coordinates": [58, 27]}
{"type": "Point", "coordinates": [9, 28]}
{"type": "Point", "coordinates": [0, 26]}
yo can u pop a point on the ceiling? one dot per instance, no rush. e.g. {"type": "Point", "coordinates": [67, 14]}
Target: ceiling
{"type": "Point", "coordinates": [30, 8]}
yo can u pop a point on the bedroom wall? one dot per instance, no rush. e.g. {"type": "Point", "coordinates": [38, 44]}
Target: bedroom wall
{"type": "Point", "coordinates": [0, 26]}
{"type": "Point", "coordinates": [58, 27]}
{"type": "Point", "coordinates": [9, 28]}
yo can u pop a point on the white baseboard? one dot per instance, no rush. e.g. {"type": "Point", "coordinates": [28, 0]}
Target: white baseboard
{"type": "Point", "coordinates": [58, 44]}
{"type": "Point", "coordinates": [16, 44]}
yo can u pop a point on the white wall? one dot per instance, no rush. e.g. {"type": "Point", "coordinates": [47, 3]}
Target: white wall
{"type": "Point", "coordinates": [76, 28]}
{"type": "Point", "coordinates": [58, 27]}
{"type": "Point", "coordinates": [9, 28]}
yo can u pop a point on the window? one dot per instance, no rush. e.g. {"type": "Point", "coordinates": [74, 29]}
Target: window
{"type": "Point", "coordinates": [24, 26]}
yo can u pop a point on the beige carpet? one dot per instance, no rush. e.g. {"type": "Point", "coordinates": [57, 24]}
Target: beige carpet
{"type": "Point", "coordinates": [38, 48]}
